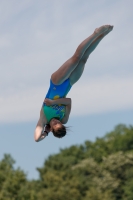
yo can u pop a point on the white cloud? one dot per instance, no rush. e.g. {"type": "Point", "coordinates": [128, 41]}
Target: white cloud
{"type": "Point", "coordinates": [21, 106]}
{"type": "Point", "coordinates": [102, 95]}
{"type": "Point", "coordinates": [4, 42]}
{"type": "Point", "coordinates": [9, 9]}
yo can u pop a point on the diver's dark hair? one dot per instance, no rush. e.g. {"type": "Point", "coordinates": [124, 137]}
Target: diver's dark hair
{"type": "Point", "coordinates": [61, 132]}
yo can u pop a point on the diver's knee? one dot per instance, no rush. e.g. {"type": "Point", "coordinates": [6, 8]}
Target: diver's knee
{"type": "Point", "coordinates": [84, 59]}
{"type": "Point", "coordinates": [76, 57]}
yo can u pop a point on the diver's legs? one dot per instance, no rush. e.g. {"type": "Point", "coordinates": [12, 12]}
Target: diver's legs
{"type": "Point", "coordinates": [77, 72]}
{"type": "Point", "coordinates": [67, 68]}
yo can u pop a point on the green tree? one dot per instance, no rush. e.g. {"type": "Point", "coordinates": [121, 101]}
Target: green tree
{"type": "Point", "coordinates": [13, 183]}
{"type": "Point", "coordinates": [100, 170]}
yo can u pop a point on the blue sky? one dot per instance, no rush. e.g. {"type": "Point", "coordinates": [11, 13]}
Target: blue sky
{"type": "Point", "coordinates": [35, 39]}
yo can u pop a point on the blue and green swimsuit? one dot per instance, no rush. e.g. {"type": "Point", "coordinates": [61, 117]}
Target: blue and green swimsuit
{"type": "Point", "coordinates": [56, 92]}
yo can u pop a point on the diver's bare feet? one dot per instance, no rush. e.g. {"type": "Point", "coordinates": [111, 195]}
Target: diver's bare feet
{"type": "Point", "coordinates": [108, 31]}
{"type": "Point", "coordinates": [110, 28]}
{"type": "Point", "coordinates": [103, 29]}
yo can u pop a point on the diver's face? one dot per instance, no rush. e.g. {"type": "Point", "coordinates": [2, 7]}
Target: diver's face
{"type": "Point", "coordinates": [55, 124]}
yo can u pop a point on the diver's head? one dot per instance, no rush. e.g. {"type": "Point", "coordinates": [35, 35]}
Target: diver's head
{"type": "Point", "coordinates": [57, 128]}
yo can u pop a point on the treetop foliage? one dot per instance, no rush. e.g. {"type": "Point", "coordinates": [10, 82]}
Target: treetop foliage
{"type": "Point", "coordinates": [100, 170]}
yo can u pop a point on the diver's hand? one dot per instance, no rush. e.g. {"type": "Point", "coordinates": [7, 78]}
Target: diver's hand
{"type": "Point", "coordinates": [48, 102]}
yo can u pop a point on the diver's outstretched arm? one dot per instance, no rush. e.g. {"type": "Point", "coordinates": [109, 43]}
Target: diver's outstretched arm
{"type": "Point", "coordinates": [39, 137]}
{"type": "Point", "coordinates": [39, 131]}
